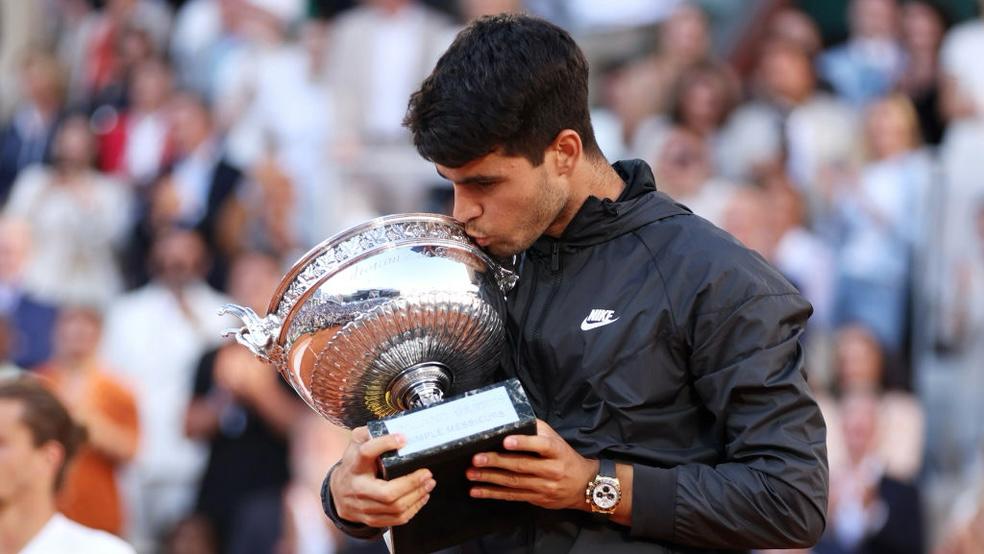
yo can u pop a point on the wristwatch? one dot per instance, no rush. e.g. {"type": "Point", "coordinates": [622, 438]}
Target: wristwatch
{"type": "Point", "coordinates": [604, 492]}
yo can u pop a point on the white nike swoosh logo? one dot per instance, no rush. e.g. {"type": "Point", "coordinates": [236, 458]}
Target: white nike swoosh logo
{"type": "Point", "coordinates": [587, 326]}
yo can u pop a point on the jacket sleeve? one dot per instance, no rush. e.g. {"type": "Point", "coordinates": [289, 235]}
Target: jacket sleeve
{"type": "Point", "coordinates": [350, 528]}
{"type": "Point", "coordinates": [770, 488]}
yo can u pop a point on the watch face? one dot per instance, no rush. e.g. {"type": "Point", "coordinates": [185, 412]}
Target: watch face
{"type": "Point", "coordinates": [605, 495]}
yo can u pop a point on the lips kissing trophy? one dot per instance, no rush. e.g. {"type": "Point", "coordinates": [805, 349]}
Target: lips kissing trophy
{"type": "Point", "coordinates": [398, 324]}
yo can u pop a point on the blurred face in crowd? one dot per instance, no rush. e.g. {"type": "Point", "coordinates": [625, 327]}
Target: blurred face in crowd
{"type": "Point", "coordinates": [684, 35]}
{"type": "Point", "coordinates": [41, 79]}
{"type": "Point", "coordinates": [253, 281]}
{"type": "Point", "coordinates": [746, 217]}
{"type": "Point", "coordinates": [795, 26]}
{"type": "Point", "coordinates": [504, 201]}
{"type": "Point", "coordinates": [150, 86]}
{"type": "Point", "coordinates": [703, 98]}
{"type": "Point", "coordinates": [191, 123]}
{"type": "Point", "coordinates": [860, 420]}
{"type": "Point", "coordinates": [77, 333]}
{"type": "Point", "coordinates": [179, 258]}
{"type": "Point", "coordinates": [74, 146]}
{"type": "Point", "coordinates": [922, 27]}
{"type": "Point", "coordinates": [859, 359]}
{"type": "Point", "coordinates": [786, 73]}
{"type": "Point", "coordinates": [891, 127]}
{"type": "Point", "coordinates": [682, 164]}
{"type": "Point", "coordinates": [26, 469]}
{"type": "Point", "coordinates": [874, 19]}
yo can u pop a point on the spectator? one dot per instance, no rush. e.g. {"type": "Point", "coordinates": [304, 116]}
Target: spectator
{"type": "Point", "coordinates": [200, 185]}
{"type": "Point", "coordinates": [108, 39]}
{"type": "Point", "coordinates": [872, 60]}
{"type": "Point", "coordinates": [923, 26]}
{"type": "Point", "coordinates": [26, 139]}
{"type": "Point", "coordinates": [135, 145]}
{"type": "Point", "coordinates": [133, 46]}
{"type": "Point", "coordinates": [789, 122]}
{"type": "Point", "coordinates": [870, 512]}
{"type": "Point", "coordinates": [799, 253]}
{"type": "Point", "coordinates": [78, 218]}
{"type": "Point", "coordinates": [860, 365]}
{"type": "Point", "coordinates": [39, 439]}
{"type": "Point", "coordinates": [31, 320]}
{"type": "Point", "coordinates": [174, 317]}
{"type": "Point", "coordinates": [641, 90]}
{"type": "Point", "coordinates": [107, 410]}
{"type": "Point", "coordinates": [962, 64]}
{"type": "Point", "coordinates": [961, 415]}
{"type": "Point", "coordinates": [684, 171]}
{"type": "Point", "coordinates": [380, 52]}
{"type": "Point", "coordinates": [700, 101]}
{"type": "Point", "coordinates": [881, 223]}
{"type": "Point", "coordinates": [242, 408]}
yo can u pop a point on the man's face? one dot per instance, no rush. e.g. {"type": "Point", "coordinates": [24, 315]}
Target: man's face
{"type": "Point", "coordinates": [504, 202]}
{"type": "Point", "coordinates": [22, 465]}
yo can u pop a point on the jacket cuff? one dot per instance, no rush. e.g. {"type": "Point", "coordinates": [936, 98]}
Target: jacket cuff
{"type": "Point", "coordinates": [350, 528]}
{"type": "Point", "coordinates": [653, 502]}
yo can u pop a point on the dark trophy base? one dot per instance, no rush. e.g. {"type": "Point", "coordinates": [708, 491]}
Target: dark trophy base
{"type": "Point", "coordinates": [443, 438]}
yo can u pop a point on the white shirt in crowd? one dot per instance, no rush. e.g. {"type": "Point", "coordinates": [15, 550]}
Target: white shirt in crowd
{"type": "Point", "coordinates": [61, 534]}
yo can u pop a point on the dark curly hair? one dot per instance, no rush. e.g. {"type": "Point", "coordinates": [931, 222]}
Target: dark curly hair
{"type": "Point", "coordinates": [507, 82]}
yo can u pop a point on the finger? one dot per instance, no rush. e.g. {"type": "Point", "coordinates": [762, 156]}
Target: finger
{"type": "Point", "coordinates": [401, 519]}
{"type": "Point", "coordinates": [543, 445]}
{"type": "Point", "coordinates": [401, 504]}
{"type": "Point", "coordinates": [507, 479]}
{"type": "Point", "coordinates": [516, 463]}
{"type": "Point", "coordinates": [373, 448]}
{"type": "Point", "coordinates": [502, 493]}
{"type": "Point", "coordinates": [390, 492]}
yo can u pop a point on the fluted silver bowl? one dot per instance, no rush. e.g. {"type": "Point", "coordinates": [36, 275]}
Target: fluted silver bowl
{"type": "Point", "coordinates": [397, 312]}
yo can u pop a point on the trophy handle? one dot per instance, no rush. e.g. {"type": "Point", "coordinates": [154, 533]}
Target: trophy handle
{"type": "Point", "coordinates": [258, 334]}
{"type": "Point", "coordinates": [506, 278]}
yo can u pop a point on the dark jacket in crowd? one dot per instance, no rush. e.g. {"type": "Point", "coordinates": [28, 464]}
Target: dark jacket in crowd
{"type": "Point", "coordinates": [647, 336]}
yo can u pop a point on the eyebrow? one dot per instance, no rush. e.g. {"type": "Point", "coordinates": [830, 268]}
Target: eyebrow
{"type": "Point", "coordinates": [474, 179]}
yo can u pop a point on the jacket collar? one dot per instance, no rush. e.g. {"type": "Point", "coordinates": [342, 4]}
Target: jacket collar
{"type": "Point", "coordinates": [600, 220]}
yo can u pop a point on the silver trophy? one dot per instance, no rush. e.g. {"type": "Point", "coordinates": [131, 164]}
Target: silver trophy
{"type": "Point", "coordinates": [398, 324]}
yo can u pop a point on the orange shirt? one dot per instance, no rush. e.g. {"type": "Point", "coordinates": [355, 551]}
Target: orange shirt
{"type": "Point", "coordinates": [89, 494]}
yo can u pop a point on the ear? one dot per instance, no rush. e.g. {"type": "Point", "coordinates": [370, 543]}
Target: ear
{"type": "Point", "coordinates": [52, 457]}
{"type": "Point", "coordinates": [567, 152]}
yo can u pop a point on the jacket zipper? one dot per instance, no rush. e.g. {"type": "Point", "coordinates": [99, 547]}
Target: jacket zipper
{"type": "Point", "coordinates": [555, 281]}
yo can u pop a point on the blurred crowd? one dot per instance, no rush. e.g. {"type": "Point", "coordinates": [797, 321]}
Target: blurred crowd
{"type": "Point", "coordinates": [159, 159]}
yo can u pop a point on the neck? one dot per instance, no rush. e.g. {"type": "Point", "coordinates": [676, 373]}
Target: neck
{"type": "Point", "coordinates": [592, 178]}
{"type": "Point", "coordinates": [22, 520]}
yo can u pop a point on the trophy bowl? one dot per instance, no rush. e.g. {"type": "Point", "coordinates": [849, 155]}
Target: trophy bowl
{"type": "Point", "coordinates": [393, 314]}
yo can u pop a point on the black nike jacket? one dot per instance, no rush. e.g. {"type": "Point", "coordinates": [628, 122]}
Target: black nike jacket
{"type": "Point", "coordinates": [648, 336]}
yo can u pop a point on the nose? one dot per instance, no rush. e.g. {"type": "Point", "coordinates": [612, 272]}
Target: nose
{"type": "Point", "coordinates": [466, 207]}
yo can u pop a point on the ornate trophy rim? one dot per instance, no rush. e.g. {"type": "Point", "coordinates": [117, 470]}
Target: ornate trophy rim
{"type": "Point", "coordinates": [283, 304]}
